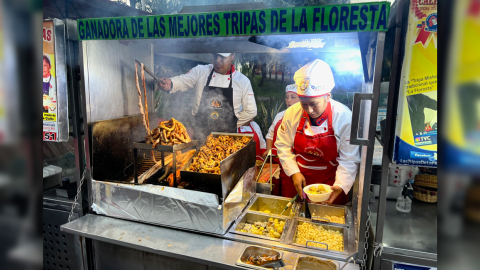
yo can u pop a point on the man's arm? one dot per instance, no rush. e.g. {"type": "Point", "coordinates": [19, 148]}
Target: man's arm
{"type": "Point", "coordinates": [244, 106]}
{"type": "Point", "coordinates": [284, 144]}
{"type": "Point", "coordinates": [348, 158]}
{"type": "Point", "coordinates": [429, 102]}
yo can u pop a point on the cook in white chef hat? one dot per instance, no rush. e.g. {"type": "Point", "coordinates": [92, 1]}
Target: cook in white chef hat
{"type": "Point", "coordinates": [225, 54]}
{"type": "Point", "coordinates": [315, 79]}
{"type": "Point", "coordinates": [291, 88]}
{"type": "Point", "coordinates": [291, 96]}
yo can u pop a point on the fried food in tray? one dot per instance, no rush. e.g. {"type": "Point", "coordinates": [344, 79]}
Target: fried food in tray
{"type": "Point", "coordinates": [214, 151]}
{"type": "Point", "coordinates": [168, 133]}
{"type": "Point", "coordinates": [261, 259]}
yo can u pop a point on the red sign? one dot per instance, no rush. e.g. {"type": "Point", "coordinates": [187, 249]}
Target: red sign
{"type": "Point", "coordinates": [49, 136]}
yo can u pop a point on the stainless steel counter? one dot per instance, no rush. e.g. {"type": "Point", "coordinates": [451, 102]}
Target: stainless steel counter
{"type": "Point", "coordinates": [411, 234]}
{"type": "Point", "coordinates": [191, 246]}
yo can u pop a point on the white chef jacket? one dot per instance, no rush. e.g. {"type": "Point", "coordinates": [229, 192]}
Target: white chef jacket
{"type": "Point", "coordinates": [271, 130]}
{"type": "Point", "coordinates": [348, 154]}
{"type": "Point", "coordinates": [243, 98]}
{"type": "Point", "coordinates": [256, 129]}
{"type": "Point", "coordinates": [52, 92]}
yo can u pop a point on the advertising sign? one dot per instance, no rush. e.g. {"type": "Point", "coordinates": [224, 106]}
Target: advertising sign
{"type": "Point", "coordinates": [416, 130]}
{"type": "Point", "coordinates": [55, 110]}
{"type": "Point", "coordinates": [49, 83]}
{"type": "Point", "coordinates": [404, 266]}
{"type": "Point", "coordinates": [322, 19]}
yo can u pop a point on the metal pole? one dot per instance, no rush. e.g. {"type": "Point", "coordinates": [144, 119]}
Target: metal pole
{"type": "Point", "coordinates": [371, 141]}
{"type": "Point", "coordinates": [387, 142]}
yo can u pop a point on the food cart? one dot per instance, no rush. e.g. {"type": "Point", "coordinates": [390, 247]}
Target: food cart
{"type": "Point", "coordinates": [148, 224]}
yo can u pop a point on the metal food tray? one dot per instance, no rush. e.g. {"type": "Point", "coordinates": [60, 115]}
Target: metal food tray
{"type": "Point", "coordinates": [309, 262]}
{"type": "Point", "coordinates": [292, 234]}
{"type": "Point", "coordinates": [249, 217]}
{"type": "Point", "coordinates": [256, 250]}
{"type": "Point", "coordinates": [231, 168]}
{"type": "Point", "coordinates": [319, 211]}
{"type": "Point", "coordinates": [275, 204]}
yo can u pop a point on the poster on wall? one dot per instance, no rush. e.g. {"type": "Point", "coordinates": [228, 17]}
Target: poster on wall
{"type": "Point", "coordinates": [50, 130]}
{"type": "Point", "coordinates": [55, 110]}
{"type": "Point", "coordinates": [416, 130]}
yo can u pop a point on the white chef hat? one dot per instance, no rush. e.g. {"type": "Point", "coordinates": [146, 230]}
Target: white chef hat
{"type": "Point", "coordinates": [315, 79]}
{"type": "Point", "coordinates": [291, 88]}
{"type": "Point", "coordinates": [225, 54]}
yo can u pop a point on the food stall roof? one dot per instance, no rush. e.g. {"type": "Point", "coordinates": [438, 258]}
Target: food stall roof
{"type": "Point", "coordinates": [78, 9]}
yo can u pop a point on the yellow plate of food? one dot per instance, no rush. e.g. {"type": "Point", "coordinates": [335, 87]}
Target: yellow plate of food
{"type": "Point", "coordinates": [318, 192]}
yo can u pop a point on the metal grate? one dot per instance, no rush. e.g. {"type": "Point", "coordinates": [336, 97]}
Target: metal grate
{"type": "Point", "coordinates": [59, 248]}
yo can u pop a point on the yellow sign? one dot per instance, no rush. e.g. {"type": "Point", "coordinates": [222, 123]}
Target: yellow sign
{"type": "Point", "coordinates": [49, 117]}
{"type": "Point", "coordinates": [416, 132]}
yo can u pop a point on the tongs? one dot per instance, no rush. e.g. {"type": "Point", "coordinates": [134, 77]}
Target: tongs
{"type": "Point", "coordinates": [307, 211]}
{"type": "Point", "coordinates": [289, 204]}
{"type": "Point", "coordinates": [261, 169]}
{"type": "Point", "coordinates": [274, 264]}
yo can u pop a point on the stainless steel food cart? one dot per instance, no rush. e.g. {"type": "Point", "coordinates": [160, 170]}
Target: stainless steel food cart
{"type": "Point", "coordinates": [200, 227]}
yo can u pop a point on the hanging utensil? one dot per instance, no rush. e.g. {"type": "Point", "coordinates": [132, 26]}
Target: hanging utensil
{"type": "Point", "coordinates": [274, 263]}
{"type": "Point", "coordinates": [289, 204]}
{"type": "Point", "coordinates": [307, 211]}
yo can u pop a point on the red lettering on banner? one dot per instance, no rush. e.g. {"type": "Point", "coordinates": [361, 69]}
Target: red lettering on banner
{"type": "Point", "coordinates": [47, 34]}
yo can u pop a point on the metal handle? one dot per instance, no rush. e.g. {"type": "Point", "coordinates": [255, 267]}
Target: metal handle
{"type": "Point", "coordinates": [357, 99]}
{"type": "Point", "coordinates": [306, 244]}
{"type": "Point", "coordinates": [263, 164]}
{"type": "Point", "coordinates": [320, 219]}
{"type": "Point", "coordinates": [148, 71]}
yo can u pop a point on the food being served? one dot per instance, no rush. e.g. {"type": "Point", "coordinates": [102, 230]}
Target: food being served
{"type": "Point", "coordinates": [336, 219]}
{"type": "Point", "coordinates": [168, 133]}
{"type": "Point", "coordinates": [307, 231]}
{"type": "Point", "coordinates": [261, 259]}
{"type": "Point", "coordinates": [273, 228]}
{"type": "Point", "coordinates": [214, 151]}
{"type": "Point", "coordinates": [320, 189]}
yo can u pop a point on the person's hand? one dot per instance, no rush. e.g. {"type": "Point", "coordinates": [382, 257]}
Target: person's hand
{"type": "Point", "coordinates": [264, 155]}
{"type": "Point", "coordinates": [165, 84]}
{"type": "Point", "coordinates": [299, 182]}
{"type": "Point", "coordinates": [336, 191]}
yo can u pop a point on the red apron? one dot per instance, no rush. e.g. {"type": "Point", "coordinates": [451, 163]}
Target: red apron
{"type": "Point", "coordinates": [316, 157]}
{"type": "Point", "coordinates": [258, 151]}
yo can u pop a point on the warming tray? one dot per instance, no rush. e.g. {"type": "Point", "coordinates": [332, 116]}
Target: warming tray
{"type": "Point", "coordinates": [309, 262]}
{"type": "Point", "coordinates": [320, 211]}
{"type": "Point", "coordinates": [274, 204]}
{"type": "Point", "coordinates": [292, 234]}
{"type": "Point", "coordinates": [256, 250]}
{"type": "Point", "coordinates": [231, 168]}
{"type": "Point", "coordinates": [250, 217]}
